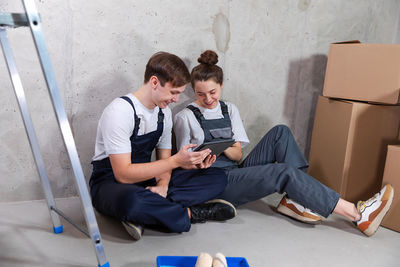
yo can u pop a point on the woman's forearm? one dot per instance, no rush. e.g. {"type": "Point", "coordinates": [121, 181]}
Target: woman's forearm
{"type": "Point", "coordinates": [234, 152]}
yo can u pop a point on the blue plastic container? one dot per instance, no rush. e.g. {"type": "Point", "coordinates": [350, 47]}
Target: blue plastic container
{"type": "Point", "coordinates": [190, 261]}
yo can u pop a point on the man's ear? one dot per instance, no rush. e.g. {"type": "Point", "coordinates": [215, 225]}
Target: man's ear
{"type": "Point", "coordinates": [154, 82]}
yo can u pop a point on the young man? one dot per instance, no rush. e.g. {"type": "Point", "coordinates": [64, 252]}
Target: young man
{"type": "Point", "coordinates": [126, 185]}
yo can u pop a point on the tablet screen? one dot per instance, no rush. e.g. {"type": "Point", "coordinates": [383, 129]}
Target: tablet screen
{"type": "Point", "coordinates": [217, 147]}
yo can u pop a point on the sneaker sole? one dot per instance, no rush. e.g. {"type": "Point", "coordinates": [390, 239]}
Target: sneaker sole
{"type": "Point", "coordinates": [288, 212]}
{"type": "Point", "coordinates": [223, 202]}
{"type": "Point", "coordinates": [135, 233]}
{"type": "Point", "coordinates": [378, 219]}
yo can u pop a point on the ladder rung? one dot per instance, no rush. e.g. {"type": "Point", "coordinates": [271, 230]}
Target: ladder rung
{"type": "Point", "coordinates": [13, 20]}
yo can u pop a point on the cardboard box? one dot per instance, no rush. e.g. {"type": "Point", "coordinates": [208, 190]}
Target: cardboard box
{"type": "Point", "coordinates": [391, 176]}
{"type": "Point", "coordinates": [348, 146]}
{"type": "Point", "coordinates": [366, 72]}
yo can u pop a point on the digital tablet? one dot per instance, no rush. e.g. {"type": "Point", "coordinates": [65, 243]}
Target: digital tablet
{"type": "Point", "coordinates": [217, 147]}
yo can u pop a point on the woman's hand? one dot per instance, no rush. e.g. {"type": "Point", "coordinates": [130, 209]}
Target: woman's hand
{"type": "Point", "coordinates": [190, 160]}
{"type": "Point", "coordinates": [234, 152]}
{"type": "Point", "coordinates": [210, 159]}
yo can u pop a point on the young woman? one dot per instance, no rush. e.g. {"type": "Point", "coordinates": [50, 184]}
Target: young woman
{"type": "Point", "coordinates": [274, 165]}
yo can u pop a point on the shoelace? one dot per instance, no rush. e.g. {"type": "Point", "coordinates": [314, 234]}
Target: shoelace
{"type": "Point", "coordinates": [203, 214]}
{"type": "Point", "coordinates": [361, 205]}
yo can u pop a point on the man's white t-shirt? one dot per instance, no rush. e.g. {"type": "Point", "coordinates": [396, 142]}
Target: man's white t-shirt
{"type": "Point", "coordinates": [117, 122]}
{"type": "Point", "coordinates": [188, 130]}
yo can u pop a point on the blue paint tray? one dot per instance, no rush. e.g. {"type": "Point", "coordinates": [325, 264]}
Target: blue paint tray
{"type": "Point", "coordinates": [190, 261]}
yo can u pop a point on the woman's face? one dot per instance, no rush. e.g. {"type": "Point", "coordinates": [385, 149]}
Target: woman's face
{"type": "Point", "coordinates": [207, 93]}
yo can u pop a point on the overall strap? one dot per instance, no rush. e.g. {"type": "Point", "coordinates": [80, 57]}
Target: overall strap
{"type": "Point", "coordinates": [197, 113]}
{"type": "Point", "coordinates": [137, 119]}
{"type": "Point", "coordinates": [224, 109]}
{"type": "Point", "coordinates": [160, 116]}
{"type": "Point", "coordinates": [199, 116]}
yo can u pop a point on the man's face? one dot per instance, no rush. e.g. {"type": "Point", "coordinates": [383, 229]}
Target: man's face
{"type": "Point", "coordinates": [164, 95]}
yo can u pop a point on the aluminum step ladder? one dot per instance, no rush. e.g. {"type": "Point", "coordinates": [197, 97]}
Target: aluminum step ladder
{"type": "Point", "coordinates": [32, 20]}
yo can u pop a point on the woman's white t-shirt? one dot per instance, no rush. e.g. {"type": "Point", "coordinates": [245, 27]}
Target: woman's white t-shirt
{"type": "Point", "coordinates": [188, 130]}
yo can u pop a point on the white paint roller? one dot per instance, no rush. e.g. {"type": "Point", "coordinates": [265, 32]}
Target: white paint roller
{"type": "Point", "coordinates": [204, 260]}
{"type": "Point", "coordinates": [219, 260]}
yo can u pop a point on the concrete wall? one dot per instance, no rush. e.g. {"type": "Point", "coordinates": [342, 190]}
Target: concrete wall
{"type": "Point", "coordinates": [273, 53]}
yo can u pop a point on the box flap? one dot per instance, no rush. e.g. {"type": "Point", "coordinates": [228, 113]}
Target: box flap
{"type": "Point", "coordinates": [348, 42]}
{"type": "Point", "coordinates": [394, 147]}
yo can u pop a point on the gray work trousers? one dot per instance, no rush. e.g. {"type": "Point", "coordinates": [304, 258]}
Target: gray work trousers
{"type": "Point", "coordinates": [277, 165]}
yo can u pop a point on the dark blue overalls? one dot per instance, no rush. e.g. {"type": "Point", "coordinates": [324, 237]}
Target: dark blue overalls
{"type": "Point", "coordinates": [276, 164]}
{"type": "Point", "coordinates": [134, 203]}
{"type": "Point", "coordinates": [216, 129]}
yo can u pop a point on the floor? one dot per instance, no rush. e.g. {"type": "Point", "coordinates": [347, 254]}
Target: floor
{"type": "Point", "coordinates": [258, 233]}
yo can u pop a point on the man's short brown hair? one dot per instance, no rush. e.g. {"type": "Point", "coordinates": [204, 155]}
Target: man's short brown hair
{"type": "Point", "coordinates": [167, 68]}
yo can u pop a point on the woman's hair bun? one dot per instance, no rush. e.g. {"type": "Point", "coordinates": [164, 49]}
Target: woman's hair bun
{"type": "Point", "coordinates": [208, 57]}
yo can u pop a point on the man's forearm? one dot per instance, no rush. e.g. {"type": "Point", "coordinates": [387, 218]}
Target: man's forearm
{"type": "Point", "coordinates": [164, 178]}
{"type": "Point", "coordinates": [126, 172]}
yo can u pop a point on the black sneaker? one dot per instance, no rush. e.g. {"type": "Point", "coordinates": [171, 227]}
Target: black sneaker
{"type": "Point", "coordinates": [213, 210]}
{"type": "Point", "coordinates": [135, 230]}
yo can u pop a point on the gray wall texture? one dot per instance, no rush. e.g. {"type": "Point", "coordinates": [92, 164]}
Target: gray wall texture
{"type": "Point", "coordinates": [273, 53]}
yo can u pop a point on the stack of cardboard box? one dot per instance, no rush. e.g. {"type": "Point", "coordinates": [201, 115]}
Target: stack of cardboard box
{"type": "Point", "coordinates": [356, 119]}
